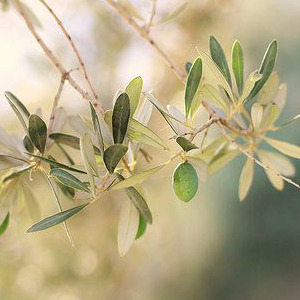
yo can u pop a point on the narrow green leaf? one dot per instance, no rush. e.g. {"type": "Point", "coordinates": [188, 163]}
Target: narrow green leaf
{"type": "Point", "coordinates": [192, 84]}
{"type": "Point", "coordinates": [266, 68]}
{"type": "Point", "coordinates": [120, 118]}
{"type": "Point", "coordinates": [137, 178]}
{"type": "Point", "coordinates": [113, 155]}
{"type": "Point", "coordinates": [21, 107]}
{"type": "Point", "coordinates": [97, 129]}
{"type": "Point", "coordinates": [57, 164]}
{"type": "Point", "coordinates": [138, 200]}
{"type": "Point", "coordinates": [37, 130]}
{"type": "Point", "coordinates": [218, 56]}
{"type": "Point", "coordinates": [238, 65]}
{"type": "Point", "coordinates": [173, 14]}
{"type": "Point", "coordinates": [56, 219]}
{"type": "Point", "coordinates": [142, 227]}
{"type": "Point", "coordinates": [134, 91]}
{"type": "Point", "coordinates": [4, 224]}
{"type": "Point", "coordinates": [185, 144]}
{"type": "Point", "coordinates": [69, 180]}
{"type": "Point", "coordinates": [69, 140]}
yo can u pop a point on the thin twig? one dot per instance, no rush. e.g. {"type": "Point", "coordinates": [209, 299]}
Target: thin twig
{"type": "Point", "coordinates": [73, 46]}
{"type": "Point", "coordinates": [246, 153]}
{"type": "Point", "coordinates": [55, 60]}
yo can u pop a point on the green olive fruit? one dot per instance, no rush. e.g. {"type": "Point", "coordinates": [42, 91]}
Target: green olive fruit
{"type": "Point", "coordinates": [185, 181]}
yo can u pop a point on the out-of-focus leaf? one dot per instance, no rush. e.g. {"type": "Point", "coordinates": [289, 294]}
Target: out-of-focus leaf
{"type": "Point", "coordinates": [138, 201]}
{"type": "Point", "coordinates": [192, 84]}
{"type": "Point", "coordinates": [269, 90]}
{"type": "Point", "coordinates": [188, 66]}
{"type": "Point", "coordinates": [88, 155]}
{"type": "Point", "coordinates": [128, 227]}
{"type": "Point", "coordinates": [185, 144]}
{"type": "Point", "coordinates": [246, 179]}
{"type": "Point", "coordinates": [280, 98]}
{"type": "Point", "coordinates": [266, 68]}
{"type": "Point", "coordinates": [173, 14]}
{"type": "Point", "coordinates": [213, 75]}
{"type": "Point", "coordinates": [113, 155]}
{"type": "Point", "coordinates": [142, 227]}
{"type": "Point", "coordinates": [218, 56]}
{"type": "Point", "coordinates": [271, 114]}
{"type": "Point", "coordinates": [56, 219]}
{"type": "Point", "coordinates": [28, 144]}
{"type": "Point", "coordinates": [79, 125]}
{"type": "Point", "coordinates": [60, 119]}
{"type": "Point", "coordinates": [284, 147]}
{"type": "Point", "coordinates": [137, 178]}
{"type": "Point", "coordinates": [31, 15]}
{"type": "Point", "coordinates": [127, 5]}
{"type": "Point", "coordinates": [275, 180]}
{"type": "Point", "coordinates": [238, 65]}
{"type": "Point", "coordinates": [174, 111]}
{"type": "Point", "coordinates": [17, 173]}
{"type": "Point", "coordinates": [120, 118]}
{"type": "Point", "coordinates": [69, 180]}
{"type": "Point", "coordinates": [200, 166]}
{"type": "Point", "coordinates": [256, 115]}
{"type": "Point", "coordinates": [143, 114]}
{"type": "Point", "coordinates": [249, 84]}
{"type": "Point", "coordinates": [57, 164]}
{"type": "Point", "coordinates": [4, 224]}
{"type": "Point", "coordinates": [31, 203]}
{"type": "Point", "coordinates": [290, 122]}
{"type": "Point", "coordinates": [70, 140]}
{"type": "Point", "coordinates": [37, 130]}
{"type": "Point", "coordinates": [278, 162]}
{"type": "Point", "coordinates": [134, 91]}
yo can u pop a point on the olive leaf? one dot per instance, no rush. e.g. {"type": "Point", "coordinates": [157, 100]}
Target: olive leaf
{"type": "Point", "coordinates": [192, 84]}
{"type": "Point", "coordinates": [188, 66]}
{"type": "Point", "coordinates": [120, 118]}
{"type": "Point", "coordinates": [284, 147]}
{"type": "Point", "coordinates": [12, 99]}
{"type": "Point", "coordinates": [256, 115]}
{"type": "Point", "coordinates": [246, 178]}
{"type": "Point", "coordinates": [4, 224]}
{"type": "Point", "coordinates": [28, 144]}
{"type": "Point", "coordinates": [185, 144]}
{"type": "Point", "coordinates": [97, 129]}
{"type": "Point", "coordinates": [134, 91]}
{"type": "Point", "coordinates": [173, 14]}
{"type": "Point", "coordinates": [138, 201]}
{"type": "Point", "coordinates": [37, 130]}
{"type": "Point", "coordinates": [266, 68]}
{"type": "Point", "coordinates": [238, 65]}
{"type": "Point", "coordinates": [142, 227]}
{"type": "Point", "coordinates": [56, 219]}
{"type": "Point", "coordinates": [218, 56]}
{"type": "Point", "coordinates": [17, 173]}
{"type": "Point", "coordinates": [128, 227]}
{"type": "Point", "coordinates": [69, 180]}
{"type": "Point", "coordinates": [113, 155]}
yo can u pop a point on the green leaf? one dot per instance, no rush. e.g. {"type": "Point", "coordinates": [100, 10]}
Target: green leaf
{"type": "Point", "coordinates": [69, 140]}
{"type": "Point", "coordinates": [185, 144]}
{"type": "Point", "coordinates": [57, 164]}
{"type": "Point", "coordinates": [4, 224]}
{"type": "Point", "coordinates": [37, 130]}
{"type": "Point", "coordinates": [185, 181]}
{"type": "Point", "coordinates": [18, 104]}
{"type": "Point", "coordinates": [250, 83]}
{"type": "Point", "coordinates": [120, 118]}
{"type": "Point", "coordinates": [246, 179]}
{"type": "Point", "coordinates": [218, 56]}
{"type": "Point", "coordinates": [266, 68]}
{"type": "Point", "coordinates": [173, 14]}
{"type": "Point", "coordinates": [188, 66]}
{"type": "Point", "coordinates": [256, 115]}
{"type": "Point", "coordinates": [138, 201]}
{"type": "Point", "coordinates": [238, 65]}
{"type": "Point", "coordinates": [128, 227]}
{"type": "Point", "coordinates": [142, 227]}
{"type": "Point", "coordinates": [56, 219]}
{"type": "Point", "coordinates": [192, 84]}
{"type": "Point", "coordinates": [69, 180]}
{"type": "Point", "coordinates": [137, 178]}
{"type": "Point", "coordinates": [28, 144]}
{"type": "Point", "coordinates": [269, 91]}
{"type": "Point", "coordinates": [284, 147]}
{"type": "Point", "coordinates": [134, 91]}
{"type": "Point", "coordinates": [113, 155]}
{"type": "Point", "coordinates": [97, 129]}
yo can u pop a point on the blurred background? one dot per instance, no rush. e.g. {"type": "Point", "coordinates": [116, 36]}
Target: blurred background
{"type": "Point", "coordinates": [212, 248]}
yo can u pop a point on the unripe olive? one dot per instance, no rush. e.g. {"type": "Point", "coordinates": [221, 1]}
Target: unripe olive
{"type": "Point", "coordinates": [185, 181]}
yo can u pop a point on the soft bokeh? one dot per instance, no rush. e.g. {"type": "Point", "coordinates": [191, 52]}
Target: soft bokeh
{"type": "Point", "coordinates": [212, 248]}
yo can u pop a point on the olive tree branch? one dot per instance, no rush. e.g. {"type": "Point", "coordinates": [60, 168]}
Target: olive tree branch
{"type": "Point", "coordinates": [55, 60]}
{"type": "Point", "coordinates": [72, 44]}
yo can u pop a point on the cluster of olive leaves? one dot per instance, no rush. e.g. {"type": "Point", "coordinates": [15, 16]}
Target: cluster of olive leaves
{"type": "Point", "coordinates": [110, 144]}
